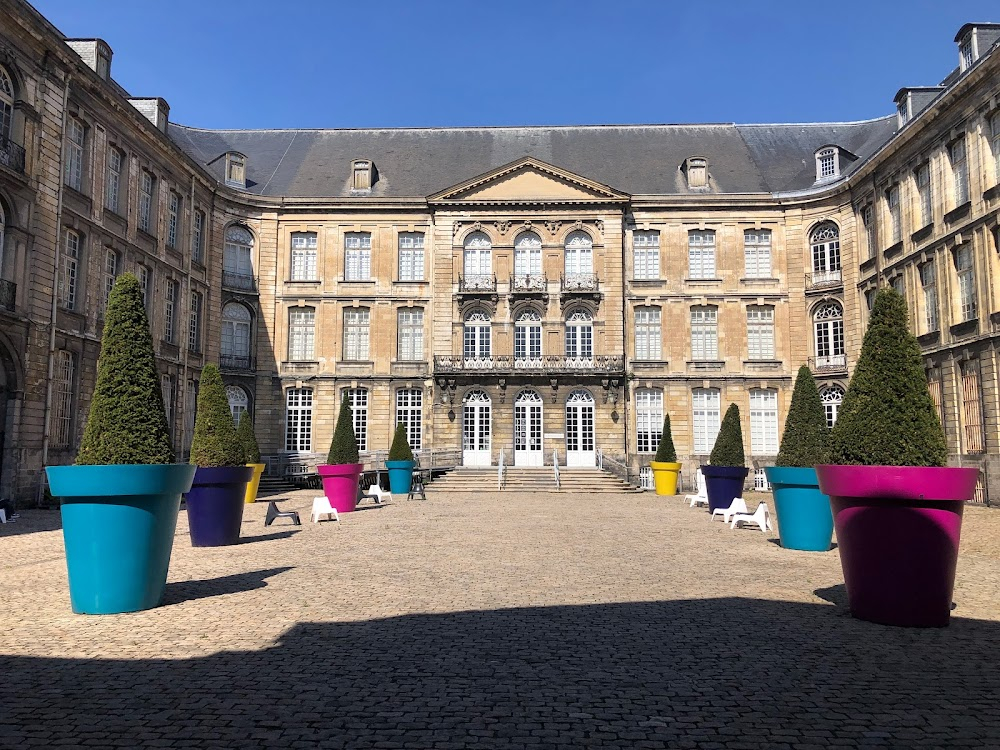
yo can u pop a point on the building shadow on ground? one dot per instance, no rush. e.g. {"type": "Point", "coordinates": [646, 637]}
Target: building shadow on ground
{"type": "Point", "coordinates": [32, 520]}
{"type": "Point", "coordinates": [689, 673]}
{"type": "Point", "coordinates": [185, 591]}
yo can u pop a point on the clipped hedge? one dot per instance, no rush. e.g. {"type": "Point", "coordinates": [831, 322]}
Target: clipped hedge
{"type": "Point", "coordinates": [344, 446]}
{"type": "Point", "coordinates": [400, 449]}
{"type": "Point", "coordinates": [665, 452]}
{"type": "Point", "coordinates": [247, 438]}
{"type": "Point", "coordinates": [215, 443]}
{"type": "Point", "coordinates": [805, 442]}
{"type": "Point", "coordinates": [728, 448]}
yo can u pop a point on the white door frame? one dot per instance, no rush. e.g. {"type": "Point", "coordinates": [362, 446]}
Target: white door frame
{"type": "Point", "coordinates": [580, 439]}
{"type": "Point", "coordinates": [528, 426]}
{"type": "Point", "coordinates": [477, 413]}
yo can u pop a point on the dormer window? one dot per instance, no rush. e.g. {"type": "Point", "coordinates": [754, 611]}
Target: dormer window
{"type": "Point", "coordinates": [965, 54]}
{"type": "Point", "coordinates": [827, 166]}
{"type": "Point", "coordinates": [362, 179]}
{"type": "Point", "coordinates": [697, 172]}
{"type": "Point", "coordinates": [236, 170]}
{"type": "Point", "coordinates": [902, 111]}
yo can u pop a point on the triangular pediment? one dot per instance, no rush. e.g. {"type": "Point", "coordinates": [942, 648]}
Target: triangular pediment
{"type": "Point", "coordinates": [529, 180]}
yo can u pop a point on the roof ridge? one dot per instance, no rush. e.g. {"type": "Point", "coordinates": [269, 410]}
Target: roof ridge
{"type": "Point", "coordinates": [814, 124]}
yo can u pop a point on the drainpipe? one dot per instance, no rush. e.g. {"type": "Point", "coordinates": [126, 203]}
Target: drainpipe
{"type": "Point", "coordinates": [46, 437]}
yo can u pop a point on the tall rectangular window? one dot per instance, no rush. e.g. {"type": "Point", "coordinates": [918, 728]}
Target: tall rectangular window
{"type": "Point", "coordinates": [995, 143]}
{"type": "Point", "coordinates": [173, 218]}
{"type": "Point", "coordinates": [763, 422]}
{"type": "Point", "coordinates": [701, 255]}
{"type": "Point", "coordinates": [704, 333]}
{"type": "Point", "coordinates": [302, 334]}
{"type": "Point", "coordinates": [146, 182]}
{"type": "Point", "coordinates": [143, 274]}
{"type": "Point", "coordinates": [358, 256]}
{"type": "Point", "coordinates": [358, 399]}
{"type": "Point", "coordinates": [198, 237]}
{"type": "Point", "coordinates": [757, 254]}
{"type": "Point", "coordinates": [356, 330]}
{"type": "Point", "coordinates": [70, 267]}
{"type": "Point", "coordinates": [170, 311]}
{"type": "Point", "coordinates": [646, 254]}
{"type": "Point", "coordinates": [959, 171]}
{"type": "Point", "coordinates": [194, 324]}
{"type": "Point", "coordinates": [190, 407]}
{"type": "Point", "coordinates": [113, 180]}
{"type": "Point", "coordinates": [648, 419]}
{"type": "Point", "coordinates": [760, 332]}
{"type": "Point", "coordinates": [923, 176]}
{"type": "Point", "coordinates": [928, 281]}
{"type": "Point", "coordinates": [968, 308]}
{"type": "Point", "coordinates": [75, 139]}
{"type": "Point", "coordinates": [110, 272]}
{"type": "Point", "coordinates": [705, 411]}
{"type": "Point", "coordinates": [411, 256]}
{"type": "Point", "coordinates": [410, 328]}
{"type": "Point", "coordinates": [648, 341]}
{"type": "Point", "coordinates": [62, 403]}
{"type": "Point", "coordinates": [409, 413]}
{"type": "Point", "coordinates": [167, 389]}
{"type": "Point", "coordinates": [298, 420]}
{"type": "Point", "coordinates": [304, 256]}
{"type": "Point", "coordinates": [868, 221]}
{"type": "Point", "coordinates": [895, 220]}
{"type": "Point", "coordinates": [972, 408]}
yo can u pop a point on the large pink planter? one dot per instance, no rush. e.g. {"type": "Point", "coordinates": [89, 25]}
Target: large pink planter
{"type": "Point", "coordinates": [898, 530]}
{"type": "Point", "coordinates": [340, 485]}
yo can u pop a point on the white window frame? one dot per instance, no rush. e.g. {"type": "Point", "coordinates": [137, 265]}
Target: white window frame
{"type": "Point", "coordinates": [198, 238]}
{"type": "Point", "coordinates": [928, 283]}
{"type": "Point", "coordinates": [173, 218]}
{"type": "Point", "coordinates": [68, 281]}
{"type": "Point", "coordinates": [409, 413]}
{"type": "Point", "coordinates": [111, 270]}
{"type": "Point", "coordinates": [757, 253]}
{"type": "Point", "coordinates": [410, 334]}
{"type": "Point", "coordinates": [298, 420]}
{"type": "Point", "coordinates": [528, 340]}
{"type": "Point", "coordinates": [171, 298]}
{"type": "Point", "coordinates": [832, 397]}
{"type": "Point", "coordinates": [357, 331]}
{"type": "Point", "coordinates": [357, 256]}
{"type": "Point", "coordinates": [305, 256]}
{"type": "Point", "coordinates": [648, 334]}
{"type": "Point", "coordinates": [580, 339]}
{"type": "Point", "coordinates": [760, 332]}
{"type": "Point", "coordinates": [704, 333]}
{"type": "Point", "coordinates": [578, 258]}
{"type": "Point", "coordinates": [828, 331]}
{"type": "Point", "coordinates": [893, 211]}
{"type": "Point", "coordinates": [6, 105]}
{"type": "Point", "coordinates": [147, 183]}
{"type": "Point", "coordinates": [76, 139]}
{"type": "Point", "coordinates": [648, 419]}
{"type": "Point", "coordinates": [167, 391]}
{"type": "Point", "coordinates": [194, 322]}
{"type": "Point", "coordinates": [411, 256]}
{"type": "Point", "coordinates": [237, 252]}
{"type": "Point", "coordinates": [477, 255]}
{"type": "Point", "coordinates": [958, 157]}
{"type": "Point", "coordinates": [144, 275]}
{"type": "Point", "coordinates": [301, 334]}
{"type": "Point", "coordinates": [868, 223]}
{"type": "Point", "coordinates": [235, 334]}
{"type": "Point", "coordinates": [763, 421]}
{"type": "Point", "coordinates": [706, 418]}
{"type": "Point", "coordinates": [965, 270]}
{"type": "Point", "coordinates": [358, 399]}
{"type": "Point", "coordinates": [527, 255]}
{"type": "Point", "coordinates": [239, 402]}
{"type": "Point", "coordinates": [824, 245]}
{"type": "Point", "coordinates": [827, 164]}
{"type": "Point", "coordinates": [922, 176]}
{"type": "Point", "coordinates": [995, 145]}
{"type": "Point", "coordinates": [477, 340]}
{"type": "Point", "coordinates": [701, 254]}
{"type": "Point", "coordinates": [62, 404]}
{"type": "Point", "coordinates": [646, 254]}
{"type": "Point", "coordinates": [113, 179]}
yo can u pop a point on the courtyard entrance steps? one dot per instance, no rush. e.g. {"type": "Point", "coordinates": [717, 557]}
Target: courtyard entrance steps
{"type": "Point", "coordinates": [579, 481]}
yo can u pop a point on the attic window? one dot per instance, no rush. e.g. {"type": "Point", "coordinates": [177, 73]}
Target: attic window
{"type": "Point", "coordinates": [965, 55]}
{"type": "Point", "coordinates": [362, 175]}
{"type": "Point", "coordinates": [903, 111]}
{"type": "Point", "coordinates": [826, 164]}
{"type": "Point", "coordinates": [697, 172]}
{"type": "Point", "coordinates": [236, 170]}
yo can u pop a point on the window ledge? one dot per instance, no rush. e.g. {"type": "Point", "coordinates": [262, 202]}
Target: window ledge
{"type": "Point", "coordinates": [359, 281]}
{"type": "Point", "coordinates": [647, 282]}
{"type": "Point", "coordinates": [869, 264]}
{"type": "Point", "coordinates": [706, 365]}
{"type": "Point", "coordinates": [763, 364]}
{"type": "Point", "coordinates": [113, 216]}
{"type": "Point", "coordinates": [703, 281]}
{"type": "Point", "coordinates": [923, 233]}
{"type": "Point", "coordinates": [303, 281]}
{"type": "Point", "coordinates": [411, 281]}
{"type": "Point", "coordinates": [143, 234]}
{"type": "Point", "coordinates": [965, 328]}
{"type": "Point", "coordinates": [649, 363]}
{"type": "Point", "coordinates": [931, 337]}
{"type": "Point", "coordinates": [992, 193]}
{"type": "Point", "coordinates": [893, 249]}
{"type": "Point", "coordinates": [764, 280]}
{"type": "Point", "coordinates": [958, 213]}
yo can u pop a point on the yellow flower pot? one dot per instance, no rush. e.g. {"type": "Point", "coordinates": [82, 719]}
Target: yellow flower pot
{"type": "Point", "coordinates": [251, 495]}
{"type": "Point", "coordinates": [665, 477]}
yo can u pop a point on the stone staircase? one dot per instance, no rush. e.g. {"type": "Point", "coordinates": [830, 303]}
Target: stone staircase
{"type": "Point", "coordinates": [583, 481]}
{"type": "Point", "coordinates": [274, 486]}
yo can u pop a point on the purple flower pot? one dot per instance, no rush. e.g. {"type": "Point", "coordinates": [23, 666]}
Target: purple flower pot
{"type": "Point", "coordinates": [723, 484]}
{"type": "Point", "coordinates": [215, 504]}
{"type": "Point", "coordinates": [340, 485]}
{"type": "Point", "coordinates": [898, 530]}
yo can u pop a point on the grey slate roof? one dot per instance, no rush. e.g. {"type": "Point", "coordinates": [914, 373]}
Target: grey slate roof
{"type": "Point", "coordinates": [636, 159]}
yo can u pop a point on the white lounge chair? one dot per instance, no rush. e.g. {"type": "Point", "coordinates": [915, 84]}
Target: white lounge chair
{"type": "Point", "coordinates": [376, 493]}
{"type": "Point", "coordinates": [761, 517]}
{"type": "Point", "coordinates": [322, 507]}
{"type": "Point", "coordinates": [739, 505]}
{"type": "Point", "coordinates": [701, 496]}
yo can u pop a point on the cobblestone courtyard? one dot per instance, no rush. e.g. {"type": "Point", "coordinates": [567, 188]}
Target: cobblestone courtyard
{"type": "Point", "coordinates": [494, 621]}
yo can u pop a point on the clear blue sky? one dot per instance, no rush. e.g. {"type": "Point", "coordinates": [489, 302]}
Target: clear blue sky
{"type": "Point", "coordinates": [391, 63]}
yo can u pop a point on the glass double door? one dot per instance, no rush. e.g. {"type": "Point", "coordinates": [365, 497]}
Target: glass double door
{"type": "Point", "coordinates": [528, 430]}
{"type": "Point", "coordinates": [580, 430]}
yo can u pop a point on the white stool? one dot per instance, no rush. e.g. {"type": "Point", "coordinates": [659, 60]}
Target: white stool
{"type": "Point", "coordinates": [322, 507]}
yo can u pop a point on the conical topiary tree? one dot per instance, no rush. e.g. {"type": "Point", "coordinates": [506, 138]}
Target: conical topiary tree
{"type": "Point", "coordinates": [805, 441]}
{"type": "Point", "coordinates": [665, 452]}
{"type": "Point", "coordinates": [344, 446]}
{"type": "Point", "coordinates": [215, 443]}
{"type": "Point", "coordinates": [400, 449]}
{"type": "Point", "coordinates": [247, 438]}
{"type": "Point", "coordinates": [127, 423]}
{"type": "Point", "coordinates": [728, 448]}
{"type": "Point", "coordinates": [888, 417]}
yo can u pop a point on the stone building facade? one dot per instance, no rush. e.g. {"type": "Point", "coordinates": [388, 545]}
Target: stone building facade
{"type": "Point", "coordinates": [520, 294]}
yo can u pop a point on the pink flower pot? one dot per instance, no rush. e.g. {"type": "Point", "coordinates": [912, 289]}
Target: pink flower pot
{"type": "Point", "coordinates": [340, 485]}
{"type": "Point", "coordinates": [898, 530]}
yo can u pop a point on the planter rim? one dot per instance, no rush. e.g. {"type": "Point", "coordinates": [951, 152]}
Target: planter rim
{"type": "Point", "coordinates": [724, 470]}
{"type": "Point", "coordinates": [332, 470]}
{"type": "Point", "coordinates": [665, 465]}
{"type": "Point", "coordinates": [904, 483]}
{"type": "Point", "coordinates": [223, 474]}
{"type": "Point", "coordinates": [401, 464]}
{"type": "Point", "coordinates": [791, 475]}
{"type": "Point", "coordinates": [119, 480]}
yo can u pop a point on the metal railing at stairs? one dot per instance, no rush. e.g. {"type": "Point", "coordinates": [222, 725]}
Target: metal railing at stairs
{"type": "Point", "coordinates": [501, 472]}
{"type": "Point", "coordinates": [555, 467]}
{"type": "Point", "coordinates": [599, 454]}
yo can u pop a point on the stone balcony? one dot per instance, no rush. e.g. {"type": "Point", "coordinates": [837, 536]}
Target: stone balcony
{"type": "Point", "coordinates": [551, 364]}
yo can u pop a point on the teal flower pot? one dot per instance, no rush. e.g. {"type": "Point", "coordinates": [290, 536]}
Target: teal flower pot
{"type": "Point", "coordinates": [118, 528]}
{"type": "Point", "coordinates": [805, 521]}
{"type": "Point", "coordinates": [400, 476]}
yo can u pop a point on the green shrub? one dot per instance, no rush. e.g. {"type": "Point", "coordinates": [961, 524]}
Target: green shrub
{"type": "Point", "coordinates": [805, 441]}
{"type": "Point", "coordinates": [665, 452]}
{"type": "Point", "coordinates": [400, 449]}
{"type": "Point", "coordinates": [215, 443]}
{"type": "Point", "coordinates": [728, 448]}
{"type": "Point", "coordinates": [888, 417]}
{"type": "Point", "coordinates": [247, 438]}
{"type": "Point", "coordinates": [344, 446]}
{"type": "Point", "coordinates": [127, 423]}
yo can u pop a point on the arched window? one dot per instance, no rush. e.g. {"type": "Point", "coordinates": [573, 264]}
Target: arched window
{"type": "Point", "coordinates": [477, 340]}
{"type": "Point", "coordinates": [528, 340]}
{"type": "Point", "coordinates": [580, 340]}
{"type": "Point", "coordinates": [3, 254]}
{"type": "Point", "coordinates": [238, 402]}
{"type": "Point", "coordinates": [828, 324]}
{"type": "Point", "coordinates": [825, 245]}
{"type": "Point", "coordinates": [477, 260]}
{"type": "Point", "coordinates": [236, 321]}
{"type": "Point", "coordinates": [579, 255]}
{"type": "Point", "coordinates": [6, 105]}
{"type": "Point", "coordinates": [237, 257]}
{"type": "Point", "coordinates": [832, 397]}
{"type": "Point", "coordinates": [527, 258]}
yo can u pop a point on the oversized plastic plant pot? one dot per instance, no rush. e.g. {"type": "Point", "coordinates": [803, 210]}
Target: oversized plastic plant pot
{"type": "Point", "coordinates": [723, 484]}
{"type": "Point", "coordinates": [254, 484]}
{"type": "Point", "coordinates": [340, 485]}
{"type": "Point", "coordinates": [215, 504]}
{"type": "Point", "coordinates": [898, 529]}
{"type": "Point", "coordinates": [400, 476]}
{"type": "Point", "coordinates": [118, 527]}
{"type": "Point", "coordinates": [665, 476]}
{"type": "Point", "coordinates": [803, 512]}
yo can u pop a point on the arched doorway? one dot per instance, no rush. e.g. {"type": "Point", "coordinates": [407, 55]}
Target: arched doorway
{"type": "Point", "coordinates": [528, 429]}
{"type": "Point", "coordinates": [476, 412]}
{"type": "Point", "coordinates": [9, 394]}
{"type": "Point", "coordinates": [580, 429]}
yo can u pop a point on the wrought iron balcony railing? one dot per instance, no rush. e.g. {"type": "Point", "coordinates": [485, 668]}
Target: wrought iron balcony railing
{"type": "Point", "coordinates": [580, 282]}
{"type": "Point", "coordinates": [829, 362]}
{"type": "Point", "coordinates": [482, 282]}
{"type": "Point", "coordinates": [550, 363]}
{"type": "Point", "coordinates": [8, 294]}
{"type": "Point", "coordinates": [527, 282]}
{"type": "Point", "coordinates": [12, 155]}
{"type": "Point", "coordinates": [826, 278]}
{"type": "Point", "coordinates": [240, 281]}
{"type": "Point", "coordinates": [236, 363]}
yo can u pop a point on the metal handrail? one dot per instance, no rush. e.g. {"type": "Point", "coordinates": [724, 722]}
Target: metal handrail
{"type": "Point", "coordinates": [600, 458]}
{"type": "Point", "coordinates": [500, 472]}
{"type": "Point", "coordinates": [555, 466]}
{"type": "Point", "coordinates": [598, 363]}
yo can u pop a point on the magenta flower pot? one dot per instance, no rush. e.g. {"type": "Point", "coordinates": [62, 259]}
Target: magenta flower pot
{"type": "Point", "coordinates": [340, 485]}
{"type": "Point", "coordinates": [898, 530]}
